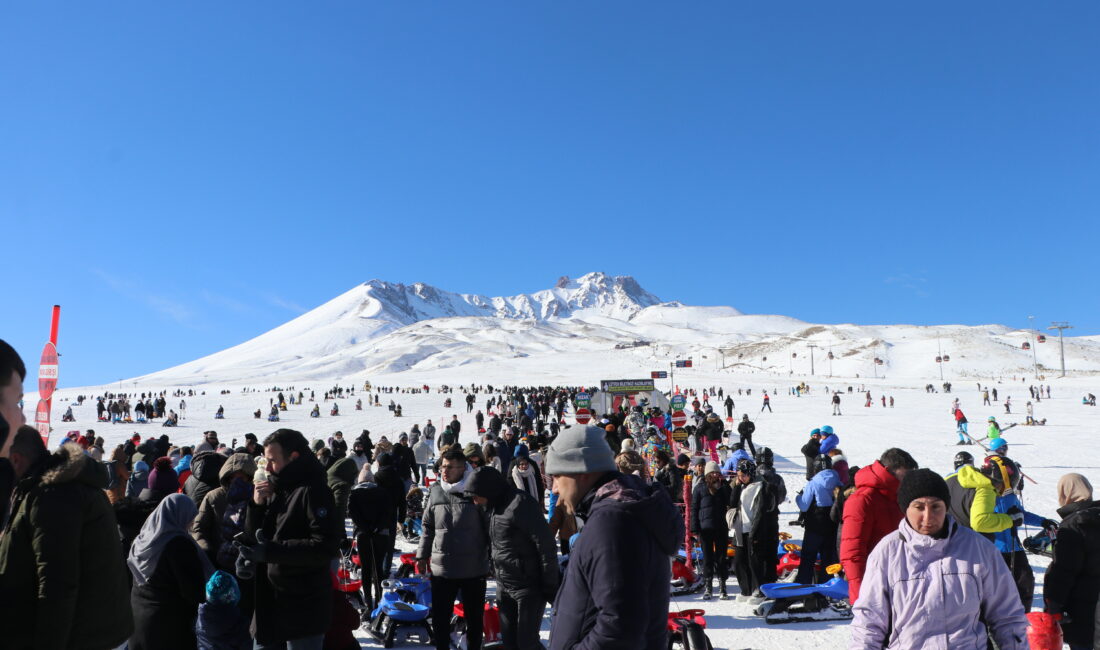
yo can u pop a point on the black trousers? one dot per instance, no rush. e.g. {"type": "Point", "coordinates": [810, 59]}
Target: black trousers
{"type": "Point", "coordinates": [375, 552]}
{"type": "Point", "coordinates": [715, 543]}
{"type": "Point", "coordinates": [747, 440]}
{"type": "Point", "coordinates": [520, 619]}
{"type": "Point", "coordinates": [444, 591]}
{"type": "Point", "coordinates": [749, 567]}
{"type": "Point", "coordinates": [1022, 576]}
{"type": "Point", "coordinates": [817, 540]}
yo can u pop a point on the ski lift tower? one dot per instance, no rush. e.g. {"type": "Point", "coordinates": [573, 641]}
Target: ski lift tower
{"type": "Point", "coordinates": [1034, 353]}
{"type": "Point", "coordinates": [812, 346]}
{"type": "Point", "coordinates": [1061, 325]}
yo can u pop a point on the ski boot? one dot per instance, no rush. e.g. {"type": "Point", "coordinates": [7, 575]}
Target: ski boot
{"type": "Point", "coordinates": [709, 593]}
{"type": "Point", "coordinates": [722, 595]}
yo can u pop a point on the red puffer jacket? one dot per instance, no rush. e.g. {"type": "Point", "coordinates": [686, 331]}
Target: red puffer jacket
{"type": "Point", "coordinates": [870, 513]}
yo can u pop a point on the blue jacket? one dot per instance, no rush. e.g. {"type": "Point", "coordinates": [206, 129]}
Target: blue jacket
{"type": "Point", "coordinates": [730, 466]}
{"type": "Point", "coordinates": [819, 489]}
{"type": "Point", "coordinates": [829, 443]}
{"type": "Point", "coordinates": [615, 591]}
{"type": "Point", "coordinates": [222, 627]}
{"type": "Point", "coordinates": [1007, 540]}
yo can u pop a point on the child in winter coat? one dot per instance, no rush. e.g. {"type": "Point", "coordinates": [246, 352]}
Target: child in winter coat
{"type": "Point", "coordinates": [221, 624]}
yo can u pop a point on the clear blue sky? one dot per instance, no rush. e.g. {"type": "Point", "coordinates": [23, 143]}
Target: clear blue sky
{"type": "Point", "coordinates": [181, 177]}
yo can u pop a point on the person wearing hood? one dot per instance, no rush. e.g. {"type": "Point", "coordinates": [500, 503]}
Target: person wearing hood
{"type": "Point", "coordinates": [359, 455]}
{"type": "Point", "coordinates": [117, 490]}
{"type": "Point", "coordinates": [205, 470]}
{"type": "Point", "coordinates": [829, 440]}
{"type": "Point", "coordinates": [170, 573]}
{"type": "Point", "coordinates": [62, 573]}
{"type": "Point", "coordinates": [934, 583]}
{"type": "Point", "coordinates": [839, 464]}
{"type": "Point", "coordinates": [615, 591]}
{"type": "Point", "coordinates": [455, 542]}
{"type": "Point", "coordinates": [422, 457]}
{"type": "Point", "coordinates": [525, 475]}
{"type": "Point", "coordinates": [221, 517]}
{"type": "Point", "coordinates": [1072, 583]}
{"type": "Point", "coordinates": [525, 560]}
{"type": "Point", "coordinates": [816, 501]}
{"type": "Point", "coordinates": [871, 513]}
{"type": "Point", "coordinates": [341, 478]}
{"type": "Point", "coordinates": [295, 535]}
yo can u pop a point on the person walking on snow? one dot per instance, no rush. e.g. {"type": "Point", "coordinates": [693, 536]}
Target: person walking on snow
{"type": "Point", "coordinates": [836, 403]}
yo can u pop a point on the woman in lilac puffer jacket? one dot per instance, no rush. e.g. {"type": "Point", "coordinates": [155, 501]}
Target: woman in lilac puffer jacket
{"type": "Point", "coordinates": [936, 584]}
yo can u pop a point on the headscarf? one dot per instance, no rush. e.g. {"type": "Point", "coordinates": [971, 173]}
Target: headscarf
{"type": "Point", "coordinates": [172, 518]}
{"type": "Point", "coordinates": [1073, 488]}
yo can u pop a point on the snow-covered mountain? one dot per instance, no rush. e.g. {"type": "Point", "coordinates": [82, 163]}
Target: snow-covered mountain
{"type": "Point", "coordinates": [383, 327]}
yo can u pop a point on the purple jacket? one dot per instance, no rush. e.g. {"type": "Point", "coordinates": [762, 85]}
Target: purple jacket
{"type": "Point", "coordinates": [922, 592]}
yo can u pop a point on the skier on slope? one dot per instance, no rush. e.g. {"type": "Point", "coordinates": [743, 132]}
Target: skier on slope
{"type": "Point", "coordinates": [960, 427]}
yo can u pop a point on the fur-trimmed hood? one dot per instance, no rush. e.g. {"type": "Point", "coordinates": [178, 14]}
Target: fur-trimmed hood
{"type": "Point", "coordinates": [69, 464]}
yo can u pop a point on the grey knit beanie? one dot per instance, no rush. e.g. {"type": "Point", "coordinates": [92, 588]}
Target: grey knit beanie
{"type": "Point", "coordinates": [578, 450]}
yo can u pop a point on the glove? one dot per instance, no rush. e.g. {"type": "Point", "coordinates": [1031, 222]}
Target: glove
{"type": "Point", "coordinates": [245, 570]}
{"type": "Point", "coordinates": [1049, 524]}
{"type": "Point", "coordinates": [1017, 516]}
{"type": "Point", "coordinates": [258, 552]}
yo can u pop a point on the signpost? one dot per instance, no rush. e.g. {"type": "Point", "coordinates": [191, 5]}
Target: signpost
{"type": "Point", "coordinates": [659, 374]}
{"type": "Point", "coordinates": [680, 435]}
{"type": "Point", "coordinates": [583, 416]}
{"type": "Point", "coordinates": [679, 419]}
{"type": "Point", "coordinates": [678, 402]}
{"type": "Point", "coordinates": [42, 419]}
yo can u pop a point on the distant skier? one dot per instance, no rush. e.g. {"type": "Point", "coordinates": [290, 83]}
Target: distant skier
{"type": "Point", "coordinates": [985, 397]}
{"type": "Point", "coordinates": [960, 427]}
{"type": "Point", "coordinates": [767, 403]}
{"type": "Point", "coordinates": [1008, 404]}
{"type": "Point", "coordinates": [994, 394]}
{"type": "Point", "coordinates": [729, 407]}
{"type": "Point", "coordinates": [836, 403]}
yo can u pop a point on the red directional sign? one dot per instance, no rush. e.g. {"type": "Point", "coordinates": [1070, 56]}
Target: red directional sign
{"type": "Point", "coordinates": [583, 416]}
{"type": "Point", "coordinates": [47, 372]}
{"type": "Point", "coordinates": [42, 420]}
{"type": "Point", "coordinates": [679, 419]}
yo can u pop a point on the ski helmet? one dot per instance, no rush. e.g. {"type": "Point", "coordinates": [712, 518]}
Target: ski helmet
{"type": "Point", "coordinates": [963, 458]}
{"type": "Point", "coordinates": [998, 445]}
{"type": "Point", "coordinates": [747, 466]}
{"type": "Point", "coordinates": [991, 419]}
{"type": "Point", "coordinates": [765, 457]}
{"type": "Point", "coordinates": [826, 430]}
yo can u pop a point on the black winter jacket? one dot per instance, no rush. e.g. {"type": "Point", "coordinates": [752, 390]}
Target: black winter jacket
{"type": "Point", "coordinates": [615, 591]}
{"type": "Point", "coordinates": [166, 606]}
{"type": "Point", "coordinates": [746, 428]}
{"type": "Point", "coordinates": [294, 585]}
{"type": "Point", "coordinates": [811, 450]}
{"type": "Point", "coordinates": [708, 511]}
{"type": "Point", "coordinates": [63, 583]}
{"type": "Point", "coordinates": [525, 557]}
{"type": "Point", "coordinates": [205, 469]}
{"type": "Point", "coordinates": [711, 429]}
{"type": "Point", "coordinates": [1073, 578]}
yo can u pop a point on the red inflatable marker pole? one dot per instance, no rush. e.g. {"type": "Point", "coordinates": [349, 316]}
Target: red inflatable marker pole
{"type": "Point", "coordinates": [47, 379]}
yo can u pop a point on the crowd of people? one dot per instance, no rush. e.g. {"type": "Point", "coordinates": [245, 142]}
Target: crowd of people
{"type": "Point", "coordinates": [222, 545]}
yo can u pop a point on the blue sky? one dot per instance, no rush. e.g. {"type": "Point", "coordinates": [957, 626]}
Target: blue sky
{"type": "Point", "coordinates": [181, 177]}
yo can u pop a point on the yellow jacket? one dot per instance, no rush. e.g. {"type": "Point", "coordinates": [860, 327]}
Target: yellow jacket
{"type": "Point", "coordinates": [982, 517]}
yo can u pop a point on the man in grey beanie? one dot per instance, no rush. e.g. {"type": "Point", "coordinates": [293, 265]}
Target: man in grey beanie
{"type": "Point", "coordinates": [615, 591]}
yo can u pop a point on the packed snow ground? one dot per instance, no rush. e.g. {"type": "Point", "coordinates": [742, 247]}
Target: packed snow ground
{"type": "Point", "coordinates": [919, 422]}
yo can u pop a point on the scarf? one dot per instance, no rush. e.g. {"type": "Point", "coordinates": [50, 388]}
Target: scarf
{"type": "Point", "coordinates": [459, 487]}
{"type": "Point", "coordinates": [172, 518]}
{"type": "Point", "coordinates": [526, 480]}
{"type": "Point", "coordinates": [1073, 488]}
